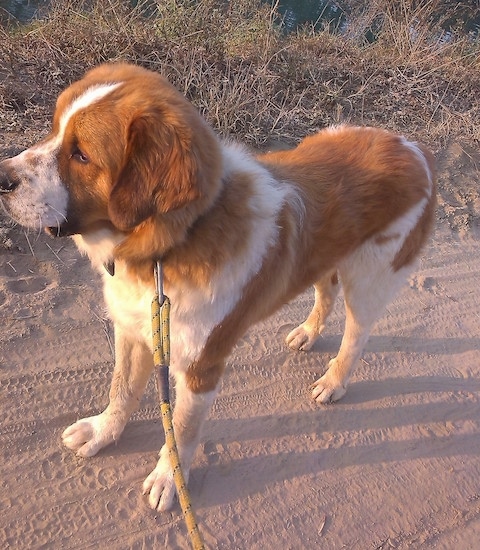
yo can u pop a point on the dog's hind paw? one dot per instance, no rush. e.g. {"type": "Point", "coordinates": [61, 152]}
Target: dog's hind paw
{"type": "Point", "coordinates": [302, 338]}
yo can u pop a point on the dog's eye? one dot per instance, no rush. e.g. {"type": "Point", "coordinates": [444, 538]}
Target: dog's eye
{"type": "Point", "coordinates": [80, 156]}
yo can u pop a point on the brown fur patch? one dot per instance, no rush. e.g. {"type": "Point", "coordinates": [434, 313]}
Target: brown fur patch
{"type": "Point", "coordinates": [193, 250]}
{"type": "Point", "coordinates": [203, 377]}
{"type": "Point", "coordinates": [355, 182]}
{"type": "Point", "coordinates": [159, 168]}
{"type": "Point", "coordinates": [345, 206]}
{"type": "Point", "coordinates": [273, 285]}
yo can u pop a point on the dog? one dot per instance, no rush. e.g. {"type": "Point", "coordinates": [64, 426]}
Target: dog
{"type": "Point", "coordinates": [134, 174]}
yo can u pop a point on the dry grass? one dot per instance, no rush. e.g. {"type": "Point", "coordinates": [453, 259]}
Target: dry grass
{"type": "Point", "coordinates": [245, 75]}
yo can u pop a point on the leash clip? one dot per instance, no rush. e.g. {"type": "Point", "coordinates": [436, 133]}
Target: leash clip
{"type": "Point", "coordinates": [158, 270]}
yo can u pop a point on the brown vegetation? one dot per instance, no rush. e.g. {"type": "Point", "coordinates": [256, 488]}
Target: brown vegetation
{"type": "Point", "coordinates": [249, 78]}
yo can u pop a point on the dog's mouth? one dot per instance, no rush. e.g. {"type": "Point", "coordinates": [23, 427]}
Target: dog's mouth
{"type": "Point", "coordinates": [74, 227]}
{"type": "Point", "coordinates": [59, 231]}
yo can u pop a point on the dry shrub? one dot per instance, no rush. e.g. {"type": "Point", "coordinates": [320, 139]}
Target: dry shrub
{"type": "Point", "coordinates": [245, 75]}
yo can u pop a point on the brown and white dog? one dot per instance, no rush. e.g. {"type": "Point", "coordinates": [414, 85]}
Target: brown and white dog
{"type": "Point", "coordinates": [134, 174]}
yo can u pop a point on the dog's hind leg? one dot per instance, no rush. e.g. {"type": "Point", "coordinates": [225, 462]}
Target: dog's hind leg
{"type": "Point", "coordinates": [369, 282]}
{"type": "Point", "coordinates": [370, 277]}
{"type": "Point", "coordinates": [304, 336]}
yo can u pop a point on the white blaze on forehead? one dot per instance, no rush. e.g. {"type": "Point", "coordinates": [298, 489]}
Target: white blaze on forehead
{"type": "Point", "coordinates": [89, 97]}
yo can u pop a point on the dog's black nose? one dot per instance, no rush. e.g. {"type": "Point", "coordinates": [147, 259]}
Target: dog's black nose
{"type": "Point", "coordinates": [8, 182]}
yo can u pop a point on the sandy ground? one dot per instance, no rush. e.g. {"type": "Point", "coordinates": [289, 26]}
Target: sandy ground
{"type": "Point", "coordinates": [395, 464]}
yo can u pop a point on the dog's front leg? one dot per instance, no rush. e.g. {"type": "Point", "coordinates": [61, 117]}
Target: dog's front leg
{"type": "Point", "coordinates": [133, 365]}
{"type": "Point", "coordinates": [191, 409]}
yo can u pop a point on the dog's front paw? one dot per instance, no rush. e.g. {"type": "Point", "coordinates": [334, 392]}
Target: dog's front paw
{"type": "Point", "coordinates": [328, 388]}
{"type": "Point", "coordinates": [160, 484]}
{"type": "Point", "coordinates": [302, 338]}
{"type": "Point", "coordinates": [87, 436]}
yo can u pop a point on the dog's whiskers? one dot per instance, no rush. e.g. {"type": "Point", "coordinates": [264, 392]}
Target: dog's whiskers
{"type": "Point", "coordinates": [29, 244]}
{"type": "Point", "coordinates": [59, 213]}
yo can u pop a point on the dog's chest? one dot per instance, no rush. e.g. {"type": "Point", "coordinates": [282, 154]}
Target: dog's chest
{"type": "Point", "coordinates": [129, 305]}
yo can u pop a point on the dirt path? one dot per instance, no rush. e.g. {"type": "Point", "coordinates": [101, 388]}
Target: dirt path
{"type": "Point", "coordinates": [395, 464]}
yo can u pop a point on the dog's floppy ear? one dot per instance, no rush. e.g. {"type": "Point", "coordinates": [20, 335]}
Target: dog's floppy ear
{"type": "Point", "coordinates": [159, 172]}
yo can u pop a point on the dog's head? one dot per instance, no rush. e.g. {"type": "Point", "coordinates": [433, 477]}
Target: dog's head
{"type": "Point", "coordinates": [125, 146]}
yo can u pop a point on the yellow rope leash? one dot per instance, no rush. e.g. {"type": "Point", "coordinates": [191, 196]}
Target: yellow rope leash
{"type": "Point", "coordinates": [161, 358]}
